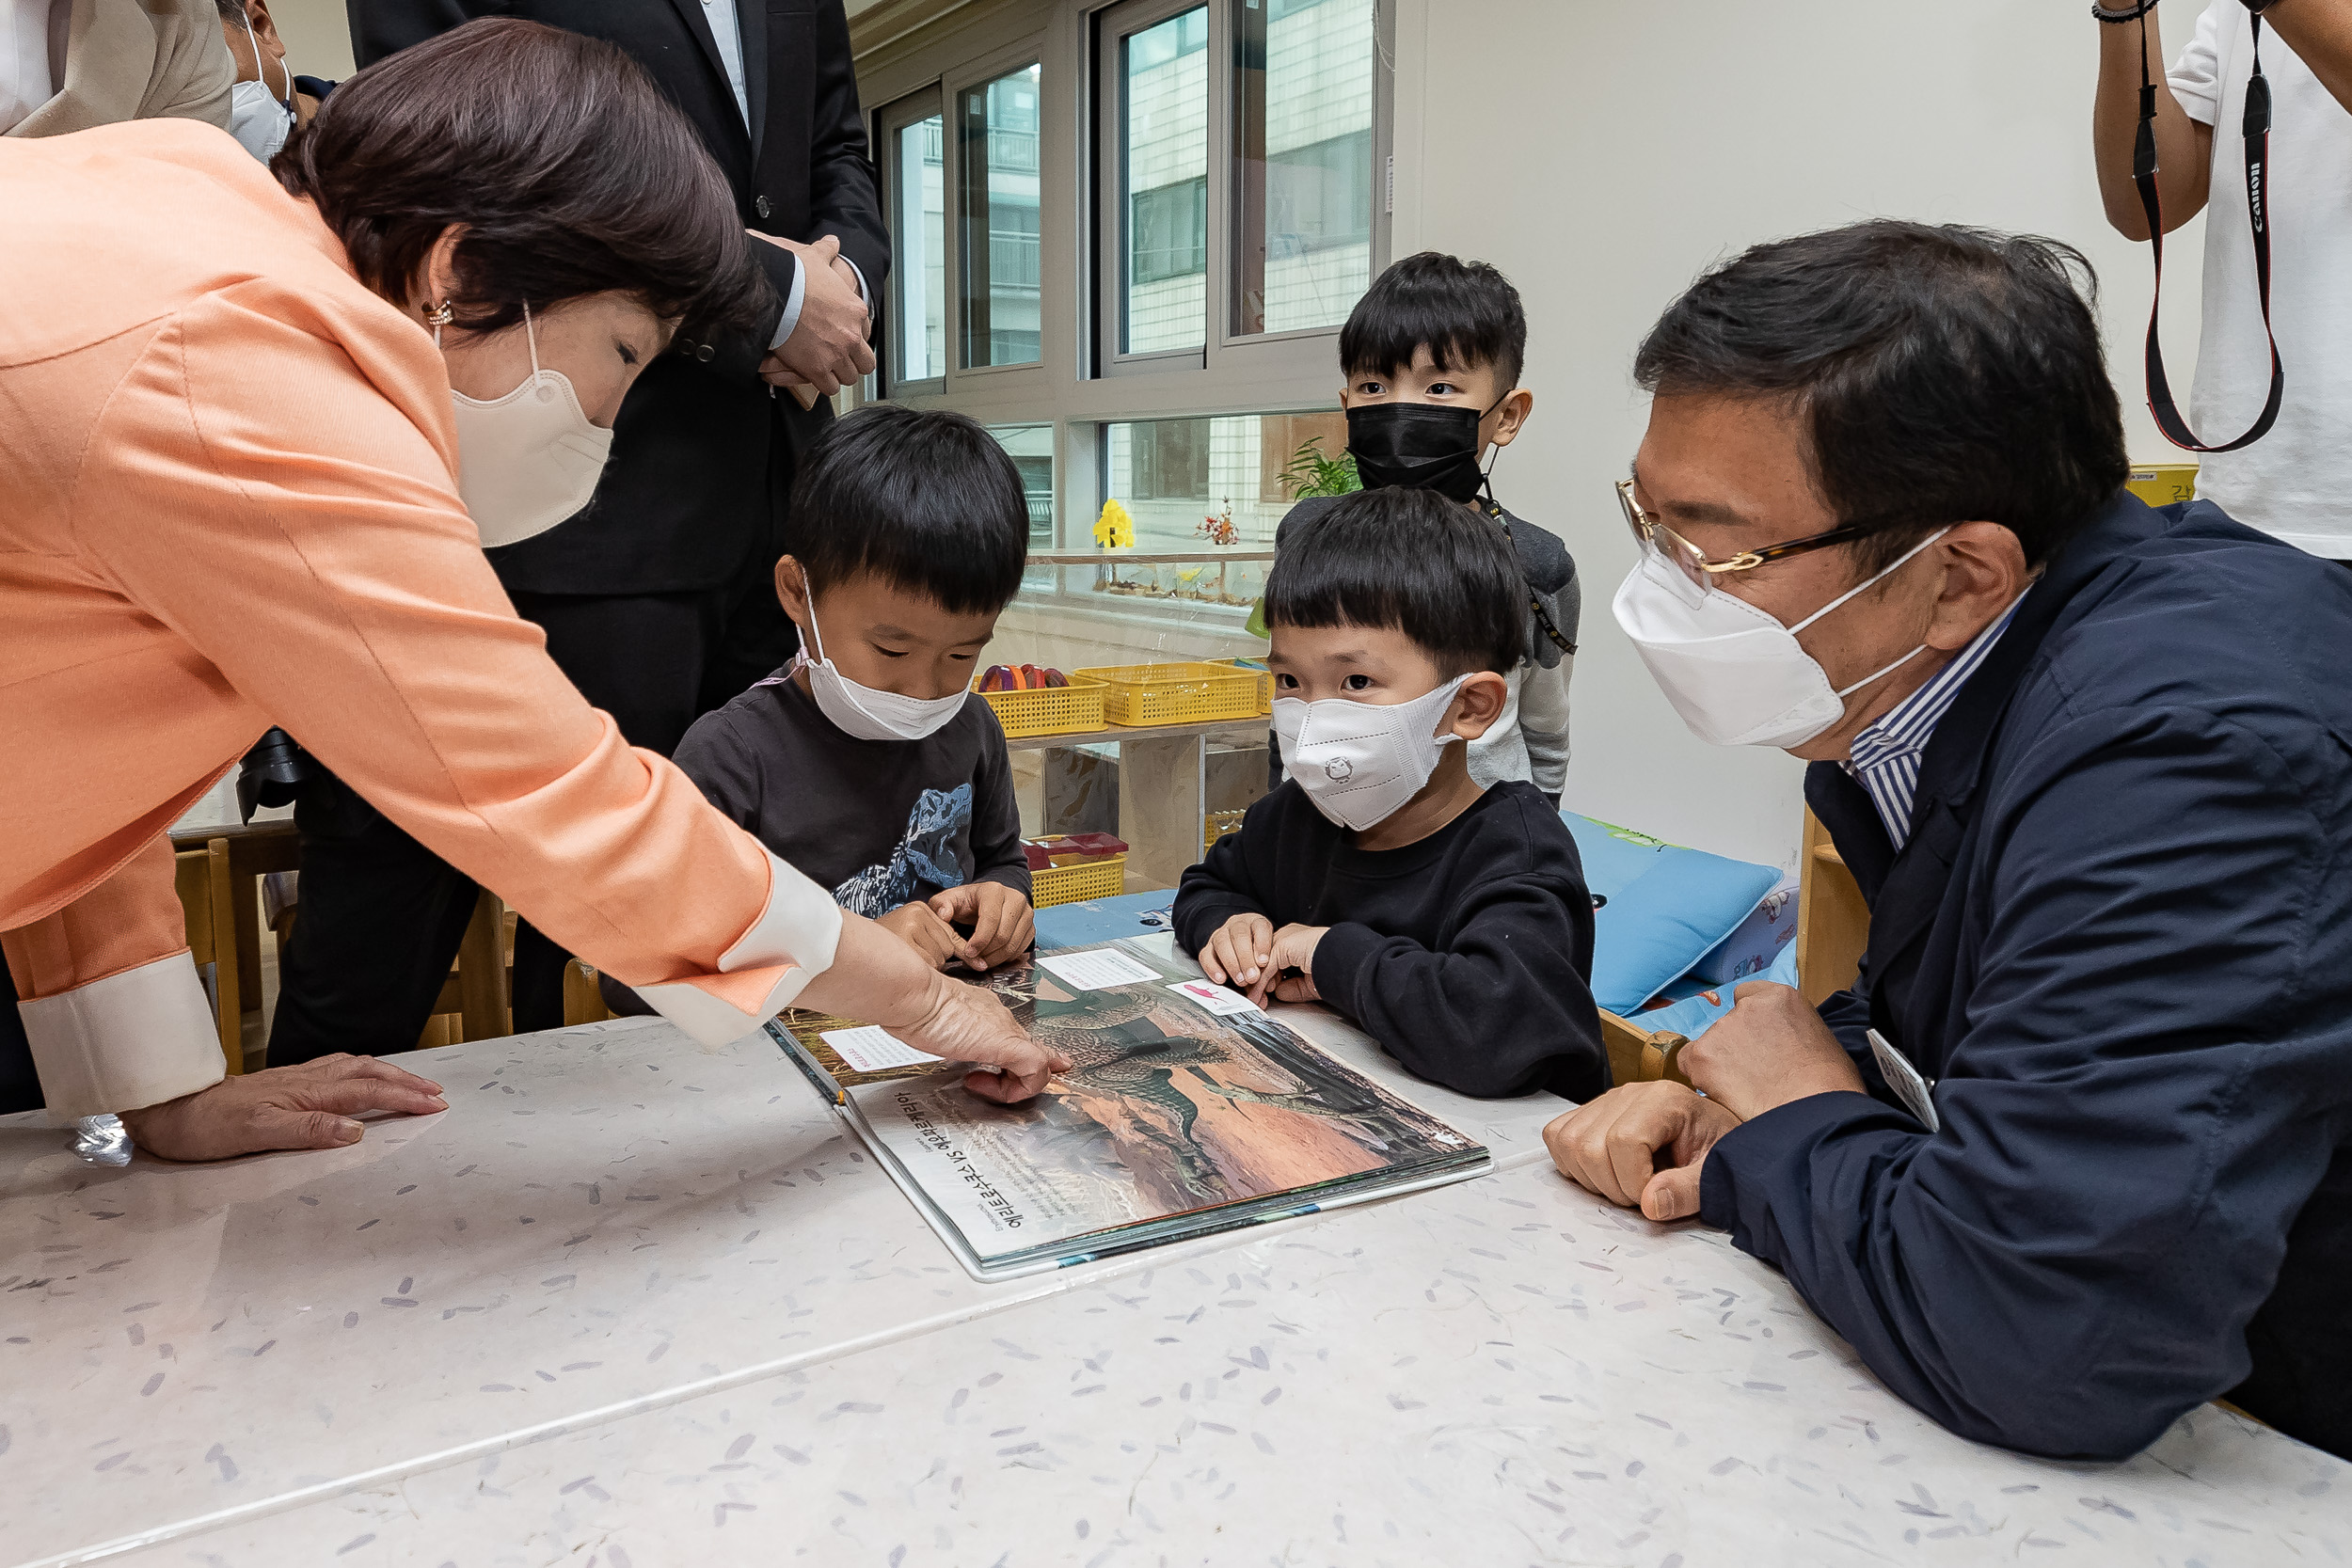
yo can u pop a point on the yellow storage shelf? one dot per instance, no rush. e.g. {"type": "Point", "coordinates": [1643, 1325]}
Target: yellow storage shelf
{"type": "Point", "coordinates": [1186, 693]}
{"type": "Point", "coordinates": [1053, 710]}
{"type": "Point", "coordinates": [1265, 682]}
{"type": "Point", "coordinates": [1106, 878]}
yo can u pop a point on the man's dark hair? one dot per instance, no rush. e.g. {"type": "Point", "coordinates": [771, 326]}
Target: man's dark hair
{"type": "Point", "coordinates": [1410, 561]}
{"type": "Point", "coordinates": [1467, 313]}
{"type": "Point", "coordinates": [569, 171]}
{"type": "Point", "coordinates": [1947, 374]}
{"type": "Point", "coordinates": [926, 499]}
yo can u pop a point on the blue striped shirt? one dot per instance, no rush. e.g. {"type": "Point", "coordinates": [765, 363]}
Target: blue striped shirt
{"type": "Point", "coordinates": [1884, 757]}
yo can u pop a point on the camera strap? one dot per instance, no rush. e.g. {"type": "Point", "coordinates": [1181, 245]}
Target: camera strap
{"type": "Point", "coordinates": [2256, 132]}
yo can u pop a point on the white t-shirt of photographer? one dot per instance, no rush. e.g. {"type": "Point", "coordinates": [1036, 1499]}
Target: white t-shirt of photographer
{"type": "Point", "coordinates": [2296, 482]}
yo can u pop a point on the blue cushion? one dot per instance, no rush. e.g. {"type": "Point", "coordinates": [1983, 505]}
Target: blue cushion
{"type": "Point", "coordinates": [1662, 908]}
{"type": "Point", "coordinates": [1692, 1016]}
{"type": "Point", "coordinates": [1104, 919]}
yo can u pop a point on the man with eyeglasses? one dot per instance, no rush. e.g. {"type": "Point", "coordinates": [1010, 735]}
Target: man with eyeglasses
{"type": "Point", "coordinates": [2070, 1157]}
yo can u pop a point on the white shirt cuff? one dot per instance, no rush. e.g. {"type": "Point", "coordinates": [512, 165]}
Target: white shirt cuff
{"type": "Point", "coordinates": [130, 1040]}
{"type": "Point", "coordinates": [792, 303]}
{"type": "Point", "coordinates": [791, 942]}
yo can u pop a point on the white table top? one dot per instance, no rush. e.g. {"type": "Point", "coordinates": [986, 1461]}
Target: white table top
{"type": "Point", "coordinates": [624, 1294]}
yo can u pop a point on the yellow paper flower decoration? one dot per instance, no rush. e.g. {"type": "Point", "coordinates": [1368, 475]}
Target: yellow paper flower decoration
{"type": "Point", "coordinates": [1115, 529]}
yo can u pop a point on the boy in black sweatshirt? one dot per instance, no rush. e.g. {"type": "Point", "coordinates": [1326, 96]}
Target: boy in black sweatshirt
{"type": "Point", "coordinates": [1448, 920]}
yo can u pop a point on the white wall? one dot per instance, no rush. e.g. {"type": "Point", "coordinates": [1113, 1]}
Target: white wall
{"type": "Point", "coordinates": [317, 35]}
{"type": "Point", "coordinates": [1603, 153]}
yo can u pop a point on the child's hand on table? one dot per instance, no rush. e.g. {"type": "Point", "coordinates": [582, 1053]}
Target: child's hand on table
{"type": "Point", "coordinates": [1002, 925]}
{"type": "Point", "coordinates": [922, 929]}
{"type": "Point", "coordinates": [1290, 969]}
{"type": "Point", "coordinates": [1238, 950]}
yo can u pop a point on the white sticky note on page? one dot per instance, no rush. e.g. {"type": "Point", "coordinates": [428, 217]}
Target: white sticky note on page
{"type": "Point", "coordinates": [870, 1048]}
{"type": "Point", "coordinates": [1216, 998]}
{"type": "Point", "coordinates": [1099, 969]}
{"type": "Point", "coordinates": [1905, 1081]}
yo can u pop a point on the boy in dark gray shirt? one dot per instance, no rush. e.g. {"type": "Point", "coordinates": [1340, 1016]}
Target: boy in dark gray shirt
{"type": "Point", "coordinates": [868, 763]}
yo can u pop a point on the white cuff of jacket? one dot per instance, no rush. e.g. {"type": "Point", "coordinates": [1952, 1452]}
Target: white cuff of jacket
{"type": "Point", "coordinates": [131, 1040]}
{"type": "Point", "coordinates": [789, 944]}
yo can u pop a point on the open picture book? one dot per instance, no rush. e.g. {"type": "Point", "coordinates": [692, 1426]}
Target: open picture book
{"type": "Point", "coordinates": [1186, 1111]}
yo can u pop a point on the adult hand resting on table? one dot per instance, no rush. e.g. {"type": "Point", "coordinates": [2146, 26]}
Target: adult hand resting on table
{"type": "Point", "coordinates": [1644, 1145]}
{"type": "Point", "coordinates": [310, 1106]}
{"type": "Point", "coordinates": [877, 978]}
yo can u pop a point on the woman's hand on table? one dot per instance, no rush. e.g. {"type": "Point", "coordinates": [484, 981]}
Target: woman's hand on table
{"type": "Point", "coordinates": [308, 1106]}
{"type": "Point", "coordinates": [877, 977]}
{"type": "Point", "coordinates": [1641, 1146]}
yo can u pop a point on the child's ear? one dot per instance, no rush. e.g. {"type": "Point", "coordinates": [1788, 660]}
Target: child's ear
{"type": "Point", "coordinates": [1511, 417]}
{"type": "Point", "coordinates": [792, 592]}
{"type": "Point", "coordinates": [1479, 704]}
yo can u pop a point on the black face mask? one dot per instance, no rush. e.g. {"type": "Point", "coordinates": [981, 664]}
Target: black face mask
{"type": "Point", "coordinates": [1416, 446]}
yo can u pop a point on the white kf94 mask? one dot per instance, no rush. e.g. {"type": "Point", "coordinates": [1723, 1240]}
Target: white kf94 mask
{"type": "Point", "coordinates": [1359, 762]}
{"type": "Point", "coordinates": [1737, 675]}
{"type": "Point", "coordinates": [529, 460]}
{"type": "Point", "coordinates": [865, 714]}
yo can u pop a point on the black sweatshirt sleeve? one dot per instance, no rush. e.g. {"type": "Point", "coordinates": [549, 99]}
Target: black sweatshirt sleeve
{"type": "Point", "coordinates": [725, 767]}
{"type": "Point", "coordinates": [1231, 879]}
{"type": "Point", "coordinates": [1502, 1009]}
{"type": "Point", "coordinates": [996, 855]}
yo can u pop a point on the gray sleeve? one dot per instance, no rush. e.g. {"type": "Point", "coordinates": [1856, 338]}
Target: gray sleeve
{"type": "Point", "coordinates": [1543, 723]}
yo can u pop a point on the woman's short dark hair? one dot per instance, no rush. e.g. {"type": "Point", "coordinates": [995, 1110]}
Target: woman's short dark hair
{"type": "Point", "coordinates": [569, 171]}
{"type": "Point", "coordinates": [924, 499]}
{"type": "Point", "coordinates": [1466, 313]}
{"type": "Point", "coordinates": [1413, 561]}
{"type": "Point", "coordinates": [1947, 374]}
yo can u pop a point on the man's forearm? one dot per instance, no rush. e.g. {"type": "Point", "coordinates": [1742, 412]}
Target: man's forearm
{"type": "Point", "coordinates": [2183, 146]}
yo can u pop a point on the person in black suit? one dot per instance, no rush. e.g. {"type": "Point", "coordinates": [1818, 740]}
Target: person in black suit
{"type": "Point", "coordinates": [657, 597]}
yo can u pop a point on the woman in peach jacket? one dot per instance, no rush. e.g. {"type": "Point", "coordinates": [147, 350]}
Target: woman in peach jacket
{"type": "Point", "coordinates": [231, 488]}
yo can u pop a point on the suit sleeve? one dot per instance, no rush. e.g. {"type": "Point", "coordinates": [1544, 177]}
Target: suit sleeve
{"type": "Point", "coordinates": [197, 79]}
{"type": "Point", "coordinates": [844, 197]}
{"type": "Point", "coordinates": [381, 27]}
{"type": "Point", "coordinates": [2128, 1131]}
{"type": "Point", "coordinates": [1503, 1009]}
{"type": "Point", "coordinates": [340, 587]}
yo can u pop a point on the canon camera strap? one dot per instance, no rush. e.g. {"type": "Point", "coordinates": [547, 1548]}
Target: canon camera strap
{"type": "Point", "coordinates": [2256, 129]}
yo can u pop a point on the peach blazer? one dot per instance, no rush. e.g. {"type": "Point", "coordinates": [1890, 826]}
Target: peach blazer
{"type": "Point", "coordinates": [226, 501]}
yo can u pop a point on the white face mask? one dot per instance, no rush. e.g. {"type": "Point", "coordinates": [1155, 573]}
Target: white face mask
{"type": "Point", "coordinates": [258, 117]}
{"type": "Point", "coordinates": [527, 460]}
{"type": "Point", "coordinates": [1737, 675]}
{"type": "Point", "coordinates": [865, 714]}
{"type": "Point", "coordinates": [1360, 762]}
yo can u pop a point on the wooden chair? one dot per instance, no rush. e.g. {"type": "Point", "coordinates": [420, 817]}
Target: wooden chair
{"type": "Point", "coordinates": [478, 996]}
{"type": "Point", "coordinates": [1833, 928]}
{"type": "Point", "coordinates": [208, 904]}
{"type": "Point", "coordinates": [1833, 921]}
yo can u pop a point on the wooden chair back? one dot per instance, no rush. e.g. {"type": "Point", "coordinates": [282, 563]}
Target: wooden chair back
{"type": "Point", "coordinates": [1833, 921]}
{"type": "Point", "coordinates": [208, 906]}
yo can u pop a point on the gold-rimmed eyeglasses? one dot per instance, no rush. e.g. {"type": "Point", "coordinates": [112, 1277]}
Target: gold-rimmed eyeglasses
{"type": "Point", "coordinates": [1696, 563]}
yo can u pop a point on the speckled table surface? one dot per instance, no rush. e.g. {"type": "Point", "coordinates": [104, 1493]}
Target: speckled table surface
{"type": "Point", "coordinates": [627, 1301]}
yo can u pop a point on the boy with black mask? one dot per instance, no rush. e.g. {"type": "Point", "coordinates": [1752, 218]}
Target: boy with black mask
{"type": "Point", "coordinates": [1432, 356]}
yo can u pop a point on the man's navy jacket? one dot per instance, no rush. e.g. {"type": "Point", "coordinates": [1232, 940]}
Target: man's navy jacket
{"type": "Point", "coordinates": [2119, 941]}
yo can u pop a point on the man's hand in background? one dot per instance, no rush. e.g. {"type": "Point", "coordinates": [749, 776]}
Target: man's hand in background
{"type": "Point", "coordinates": [827, 349]}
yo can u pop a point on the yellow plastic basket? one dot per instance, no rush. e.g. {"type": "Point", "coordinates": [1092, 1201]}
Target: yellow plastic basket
{"type": "Point", "coordinates": [1137, 695]}
{"type": "Point", "coordinates": [1053, 710]}
{"type": "Point", "coordinates": [1265, 682]}
{"type": "Point", "coordinates": [1106, 878]}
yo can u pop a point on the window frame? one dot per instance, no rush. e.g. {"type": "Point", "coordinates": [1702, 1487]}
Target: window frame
{"type": "Point", "coordinates": [1074, 386]}
{"type": "Point", "coordinates": [889, 121]}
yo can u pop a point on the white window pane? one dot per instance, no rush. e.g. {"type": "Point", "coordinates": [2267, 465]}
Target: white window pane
{"type": "Point", "coordinates": [1165, 178]}
{"type": "Point", "coordinates": [920, 268]}
{"type": "Point", "coordinates": [1303, 181]}
{"type": "Point", "coordinates": [998, 133]}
